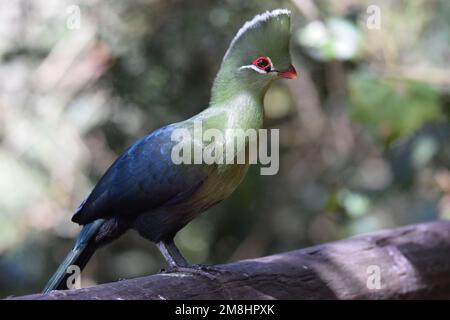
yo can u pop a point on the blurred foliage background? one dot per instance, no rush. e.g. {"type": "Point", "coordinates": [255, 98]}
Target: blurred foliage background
{"type": "Point", "coordinates": [364, 130]}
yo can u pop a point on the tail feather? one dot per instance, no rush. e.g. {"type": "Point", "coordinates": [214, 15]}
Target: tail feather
{"type": "Point", "coordinates": [82, 251]}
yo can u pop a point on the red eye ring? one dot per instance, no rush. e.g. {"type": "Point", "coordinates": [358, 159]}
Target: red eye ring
{"type": "Point", "coordinates": [263, 63]}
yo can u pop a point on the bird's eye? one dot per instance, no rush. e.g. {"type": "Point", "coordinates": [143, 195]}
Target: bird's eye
{"type": "Point", "coordinates": [263, 63]}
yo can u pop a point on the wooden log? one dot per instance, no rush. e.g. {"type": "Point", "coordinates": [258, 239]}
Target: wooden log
{"type": "Point", "coordinates": [410, 262]}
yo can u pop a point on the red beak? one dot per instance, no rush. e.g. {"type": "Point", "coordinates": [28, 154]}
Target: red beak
{"type": "Point", "coordinates": [290, 73]}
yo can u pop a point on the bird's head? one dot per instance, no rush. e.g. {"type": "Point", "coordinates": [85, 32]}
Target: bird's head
{"type": "Point", "coordinates": [259, 53]}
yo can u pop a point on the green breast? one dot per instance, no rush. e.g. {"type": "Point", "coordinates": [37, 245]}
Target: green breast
{"type": "Point", "coordinates": [244, 112]}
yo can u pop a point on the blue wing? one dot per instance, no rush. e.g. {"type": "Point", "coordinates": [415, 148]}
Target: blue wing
{"type": "Point", "coordinates": [143, 178]}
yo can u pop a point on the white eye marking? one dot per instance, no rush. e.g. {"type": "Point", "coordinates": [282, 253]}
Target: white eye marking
{"type": "Point", "coordinates": [252, 66]}
{"type": "Point", "coordinates": [259, 70]}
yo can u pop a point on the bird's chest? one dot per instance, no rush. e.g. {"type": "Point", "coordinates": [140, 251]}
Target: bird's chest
{"type": "Point", "coordinates": [221, 182]}
{"type": "Point", "coordinates": [237, 129]}
{"type": "Point", "coordinates": [225, 179]}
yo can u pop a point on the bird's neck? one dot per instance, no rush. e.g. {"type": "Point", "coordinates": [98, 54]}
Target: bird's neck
{"type": "Point", "coordinates": [244, 101]}
{"type": "Point", "coordinates": [227, 86]}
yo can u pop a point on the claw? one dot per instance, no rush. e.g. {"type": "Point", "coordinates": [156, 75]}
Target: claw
{"type": "Point", "coordinates": [208, 268]}
{"type": "Point", "coordinates": [199, 269]}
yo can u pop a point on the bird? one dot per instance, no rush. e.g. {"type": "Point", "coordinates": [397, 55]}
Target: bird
{"type": "Point", "coordinates": [146, 191]}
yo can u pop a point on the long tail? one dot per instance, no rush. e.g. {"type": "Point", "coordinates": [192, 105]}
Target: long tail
{"type": "Point", "coordinates": [82, 251]}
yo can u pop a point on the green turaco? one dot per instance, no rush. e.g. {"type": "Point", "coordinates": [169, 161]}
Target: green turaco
{"type": "Point", "coordinates": [146, 190]}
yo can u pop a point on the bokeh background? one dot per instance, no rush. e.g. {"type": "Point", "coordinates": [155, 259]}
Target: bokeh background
{"type": "Point", "coordinates": [365, 133]}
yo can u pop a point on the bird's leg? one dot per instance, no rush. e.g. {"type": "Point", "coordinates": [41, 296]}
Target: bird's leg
{"type": "Point", "coordinates": [177, 263]}
{"type": "Point", "coordinates": [172, 255]}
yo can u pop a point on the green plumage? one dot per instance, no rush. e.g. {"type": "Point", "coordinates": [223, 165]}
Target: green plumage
{"type": "Point", "coordinates": [237, 99]}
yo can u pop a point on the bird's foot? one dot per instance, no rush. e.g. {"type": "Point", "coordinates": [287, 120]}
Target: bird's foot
{"type": "Point", "coordinates": [200, 269]}
{"type": "Point", "coordinates": [208, 268]}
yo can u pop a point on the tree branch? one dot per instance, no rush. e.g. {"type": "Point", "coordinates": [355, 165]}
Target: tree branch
{"type": "Point", "coordinates": [413, 262]}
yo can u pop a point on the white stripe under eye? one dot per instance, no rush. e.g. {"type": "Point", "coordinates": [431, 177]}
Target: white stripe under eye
{"type": "Point", "coordinates": [251, 66]}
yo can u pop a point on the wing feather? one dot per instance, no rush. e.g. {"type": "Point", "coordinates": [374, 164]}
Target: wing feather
{"type": "Point", "coordinates": [143, 178]}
